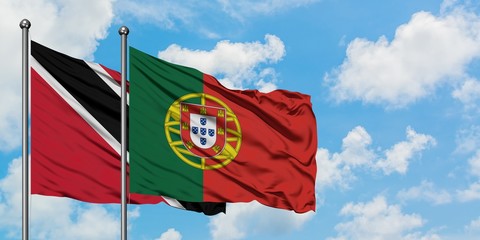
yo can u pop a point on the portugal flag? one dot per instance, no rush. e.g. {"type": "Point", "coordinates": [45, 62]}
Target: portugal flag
{"type": "Point", "coordinates": [195, 140]}
{"type": "Point", "coordinates": [75, 132]}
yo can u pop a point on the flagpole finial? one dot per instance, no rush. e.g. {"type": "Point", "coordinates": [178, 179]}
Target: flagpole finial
{"type": "Point", "coordinates": [25, 24]}
{"type": "Point", "coordinates": [123, 30]}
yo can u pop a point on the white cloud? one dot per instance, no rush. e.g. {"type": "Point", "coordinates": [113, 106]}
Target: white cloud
{"type": "Point", "coordinates": [170, 234]}
{"type": "Point", "coordinates": [425, 191]}
{"type": "Point", "coordinates": [398, 157]}
{"type": "Point", "coordinates": [244, 219]}
{"type": "Point", "coordinates": [471, 231]}
{"type": "Point", "coordinates": [169, 14]}
{"type": "Point", "coordinates": [91, 222]}
{"type": "Point", "coordinates": [411, 66]}
{"type": "Point", "coordinates": [474, 163]}
{"type": "Point", "coordinates": [243, 9]}
{"type": "Point", "coordinates": [377, 220]}
{"type": "Point", "coordinates": [198, 16]}
{"type": "Point", "coordinates": [470, 194]}
{"type": "Point", "coordinates": [70, 26]}
{"type": "Point", "coordinates": [52, 217]}
{"type": "Point", "coordinates": [331, 171]}
{"type": "Point", "coordinates": [420, 236]}
{"type": "Point", "coordinates": [468, 94]}
{"type": "Point", "coordinates": [10, 115]}
{"type": "Point", "coordinates": [355, 150]}
{"type": "Point", "coordinates": [164, 13]}
{"type": "Point", "coordinates": [448, 5]}
{"type": "Point", "coordinates": [473, 226]}
{"type": "Point", "coordinates": [337, 168]}
{"type": "Point", "coordinates": [134, 213]}
{"type": "Point", "coordinates": [11, 196]}
{"type": "Point", "coordinates": [73, 27]}
{"type": "Point", "coordinates": [238, 63]}
{"type": "Point", "coordinates": [468, 139]}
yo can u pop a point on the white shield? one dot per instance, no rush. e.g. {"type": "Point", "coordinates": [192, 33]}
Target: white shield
{"type": "Point", "coordinates": [203, 130]}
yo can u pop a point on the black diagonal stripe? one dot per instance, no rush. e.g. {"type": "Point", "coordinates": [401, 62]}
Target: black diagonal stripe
{"type": "Point", "coordinates": [84, 85]}
{"type": "Point", "coordinates": [208, 208]}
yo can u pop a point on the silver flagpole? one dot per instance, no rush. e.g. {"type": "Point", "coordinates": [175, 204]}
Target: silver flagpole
{"type": "Point", "coordinates": [123, 31]}
{"type": "Point", "coordinates": [25, 26]}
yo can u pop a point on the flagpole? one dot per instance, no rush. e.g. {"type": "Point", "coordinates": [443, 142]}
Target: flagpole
{"type": "Point", "coordinates": [123, 31]}
{"type": "Point", "coordinates": [25, 26]}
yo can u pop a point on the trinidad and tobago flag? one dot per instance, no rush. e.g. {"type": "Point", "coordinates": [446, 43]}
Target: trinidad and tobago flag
{"type": "Point", "coordinates": [75, 133]}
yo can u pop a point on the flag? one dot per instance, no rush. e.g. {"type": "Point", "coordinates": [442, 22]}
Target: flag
{"type": "Point", "coordinates": [75, 132]}
{"type": "Point", "coordinates": [195, 140]}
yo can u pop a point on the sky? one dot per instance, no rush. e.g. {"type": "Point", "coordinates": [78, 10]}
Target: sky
{"type": "Point", "coordinates": [395, 88]}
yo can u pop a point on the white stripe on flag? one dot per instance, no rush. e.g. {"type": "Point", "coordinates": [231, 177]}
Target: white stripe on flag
{"type": "Point", "coordinates": [173, 202]}
{"type": "Point", "coordinates": [100, 71]}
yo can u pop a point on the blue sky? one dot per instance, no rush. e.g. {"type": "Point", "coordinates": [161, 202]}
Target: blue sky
{"type": "Point", "coordinates": [395, 89]}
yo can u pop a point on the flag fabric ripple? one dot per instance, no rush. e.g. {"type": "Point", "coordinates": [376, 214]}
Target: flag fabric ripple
{"type": "Point", "coordinates": [195, 140]}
